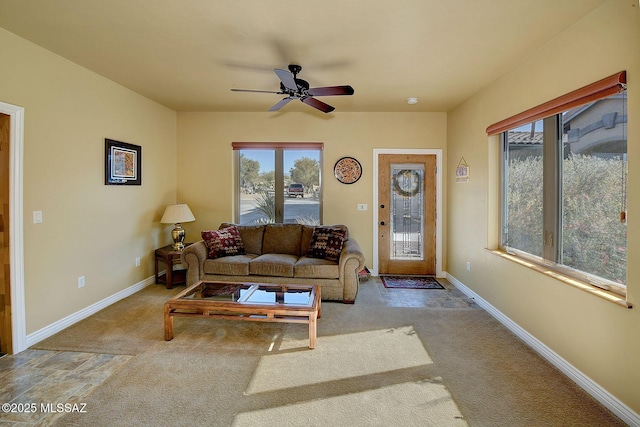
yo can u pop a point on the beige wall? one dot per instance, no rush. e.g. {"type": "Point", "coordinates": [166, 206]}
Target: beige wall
{"type": "Point", "coordinates": [597, 337]}
{"type": "Point", "coordinates": [89, 229]}
{"type": "Point", "coordinates": [205, 158]}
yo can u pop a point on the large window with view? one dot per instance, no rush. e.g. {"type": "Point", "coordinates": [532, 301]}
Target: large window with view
{"type": "Point", "coordinates": [279, 183]}
{"type": "Point", "coordinates": [564, 191]}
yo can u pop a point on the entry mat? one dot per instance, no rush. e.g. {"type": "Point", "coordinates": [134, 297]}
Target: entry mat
{"type": "Point", "coordinates": [411, 282]}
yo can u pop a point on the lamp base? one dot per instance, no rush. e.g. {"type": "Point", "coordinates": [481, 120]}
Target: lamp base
{"type": "Point", "coordinates": [178, 234]}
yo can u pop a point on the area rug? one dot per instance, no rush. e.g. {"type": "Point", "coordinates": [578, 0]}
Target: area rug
{"type": "Point", "coordinates": [410, 282]}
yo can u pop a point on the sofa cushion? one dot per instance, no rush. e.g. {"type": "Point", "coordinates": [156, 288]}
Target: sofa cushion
{"type": "Point", "coordinates": [282, 239]}
{"type": "Point", "coordinates": [229, 266]}
{"type": "Point", "coordinates": [251, 236]}
{"type": "Point", "coordinates": [310, 268]}
{"type": "Point", "coordinates": [305, 240]}
{"type": "Point", "coordinates": [326, 243]}
{"type": "Point", "coordinates": [280, 265]}
{"type": "Point", "coordinates": [223, 242]}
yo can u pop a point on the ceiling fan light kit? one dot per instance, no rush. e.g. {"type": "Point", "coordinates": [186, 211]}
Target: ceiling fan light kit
{"type": "Point", "coordinates": [295, 88]}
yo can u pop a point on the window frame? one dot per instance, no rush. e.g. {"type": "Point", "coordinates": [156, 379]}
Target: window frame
{"type": "Point", "coordinates": [279, 149]}
{"type": "Point", "coordinates": [552, 207]}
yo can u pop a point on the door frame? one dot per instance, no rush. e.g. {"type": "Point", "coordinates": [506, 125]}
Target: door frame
{"type": "Point", "coordinates": [16, 226]}
{"type": "Point", "coordinates": [428, 151]}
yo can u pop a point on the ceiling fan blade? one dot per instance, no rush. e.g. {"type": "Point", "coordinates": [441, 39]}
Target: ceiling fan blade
{"type": "Point", "coordinates": [280, 104]}
{"type": "Point", "coordinates": [325, 108]}
{"type": "Point", "coordinates": [286, 78]}
{"type": "Point", "coordinates": [252, 90]}
{"type": "Point", "coordinates": [331, 91]}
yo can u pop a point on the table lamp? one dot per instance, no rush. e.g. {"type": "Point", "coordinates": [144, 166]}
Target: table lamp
{"type": "Point", "coordinates": [176, 214]}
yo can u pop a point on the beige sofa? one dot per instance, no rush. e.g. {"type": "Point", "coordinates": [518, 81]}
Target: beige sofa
{"type": "Point", "coordinates": [278, 253]}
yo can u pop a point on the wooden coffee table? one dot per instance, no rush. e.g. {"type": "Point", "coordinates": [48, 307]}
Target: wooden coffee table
{"type": "Point", "coordinates": [256, 302]}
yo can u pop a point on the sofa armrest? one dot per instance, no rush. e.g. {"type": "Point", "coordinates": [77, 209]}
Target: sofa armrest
{"type": "Point", "coordinates": [193, 257]}
{"type": "Point", "coordinates": [350, 264]}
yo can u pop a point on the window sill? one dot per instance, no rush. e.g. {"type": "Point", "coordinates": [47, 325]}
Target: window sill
{"type": "Point", "coordinates": [587, 287]}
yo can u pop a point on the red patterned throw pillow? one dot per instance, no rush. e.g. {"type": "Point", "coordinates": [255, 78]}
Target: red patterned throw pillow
{"type": "Point", "coordinates": [327, 242]}
{"type": "Point", "coordinates": [223, 242]}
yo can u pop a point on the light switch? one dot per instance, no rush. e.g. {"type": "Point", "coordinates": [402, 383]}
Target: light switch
{"type": "Point", "coordinates": [37, 217]}
{"type": "Point", "coordinates": [362, 207]}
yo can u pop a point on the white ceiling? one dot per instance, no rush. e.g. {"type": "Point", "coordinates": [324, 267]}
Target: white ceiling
{"type": "Point", "coordinates": [188, 54]}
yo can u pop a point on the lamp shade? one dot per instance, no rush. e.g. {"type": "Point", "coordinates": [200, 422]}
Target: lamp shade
{"type": "Point", "coordinates": [175, 214]}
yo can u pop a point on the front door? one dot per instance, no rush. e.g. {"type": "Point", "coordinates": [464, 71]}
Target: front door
{"type": "Point", "coordinates": [407, 214]}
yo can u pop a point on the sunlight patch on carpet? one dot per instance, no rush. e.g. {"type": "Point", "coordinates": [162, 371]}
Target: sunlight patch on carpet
{"type": "Point", "coordinates": [423, 403]}
{"type": "Point", "coordinates": [339, 357]}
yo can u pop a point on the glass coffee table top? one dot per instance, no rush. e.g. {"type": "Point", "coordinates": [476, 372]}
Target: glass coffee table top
{"type": "Point", "coordinates": [251, 293]}
{"type": "Point", "coordinates": [257, 302]}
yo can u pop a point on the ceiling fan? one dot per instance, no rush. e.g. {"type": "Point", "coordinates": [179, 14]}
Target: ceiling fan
{"type": "Point", "coordinates": [295, 88]}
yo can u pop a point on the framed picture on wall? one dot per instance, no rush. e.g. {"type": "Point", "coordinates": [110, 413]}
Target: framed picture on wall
{"type": "Point", "coordinates": [123, 163]}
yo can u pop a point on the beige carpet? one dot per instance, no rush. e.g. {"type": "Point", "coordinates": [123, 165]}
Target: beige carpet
{"type": "Point", "coordinates": [381, 361]}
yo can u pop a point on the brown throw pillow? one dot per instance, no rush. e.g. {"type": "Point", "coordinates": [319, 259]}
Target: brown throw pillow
{"type": "Point", "coordinates": [223, 242]}
{"type": "Point", "coordinates": [326, 243]}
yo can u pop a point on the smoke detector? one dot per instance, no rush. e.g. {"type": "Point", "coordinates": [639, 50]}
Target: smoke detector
{"type": "Point", "coordinates": [412, 101]}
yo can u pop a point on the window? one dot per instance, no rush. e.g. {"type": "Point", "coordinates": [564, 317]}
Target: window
{"type": "Point", "coordinates": [523, 183]}
{"type": "Point", "coordinates": [279, 183]}
{"type": "Point", "coordinates": [564, 191]}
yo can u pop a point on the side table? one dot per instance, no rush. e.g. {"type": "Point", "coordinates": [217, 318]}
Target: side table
{"type": "Point", "coordinates": [170, 257]}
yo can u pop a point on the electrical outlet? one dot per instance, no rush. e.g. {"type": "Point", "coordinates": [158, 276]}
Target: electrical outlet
{"type": "Point", "coordinates": [138, 262]}
{"type": "Point", "coordinates": [468, 266]}
{"type": "Point", "coordinates": [81, 282]}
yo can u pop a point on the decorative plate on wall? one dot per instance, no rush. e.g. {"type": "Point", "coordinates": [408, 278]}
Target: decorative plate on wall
{"type": "Point", "coordinates": [347, 170]}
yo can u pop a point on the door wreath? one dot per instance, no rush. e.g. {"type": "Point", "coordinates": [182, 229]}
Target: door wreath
{"type": "Point", "coordinates": [407, 182]}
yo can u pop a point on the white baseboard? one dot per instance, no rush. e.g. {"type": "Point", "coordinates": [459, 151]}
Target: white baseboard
{"type": "Point", "coordinates": [600, 394]}
{"type": "Point", "coordinates": [62, 324]}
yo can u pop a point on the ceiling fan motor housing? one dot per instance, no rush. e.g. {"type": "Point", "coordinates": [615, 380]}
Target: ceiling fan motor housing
{"type": "Point", "coordinates": [302, 85]}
